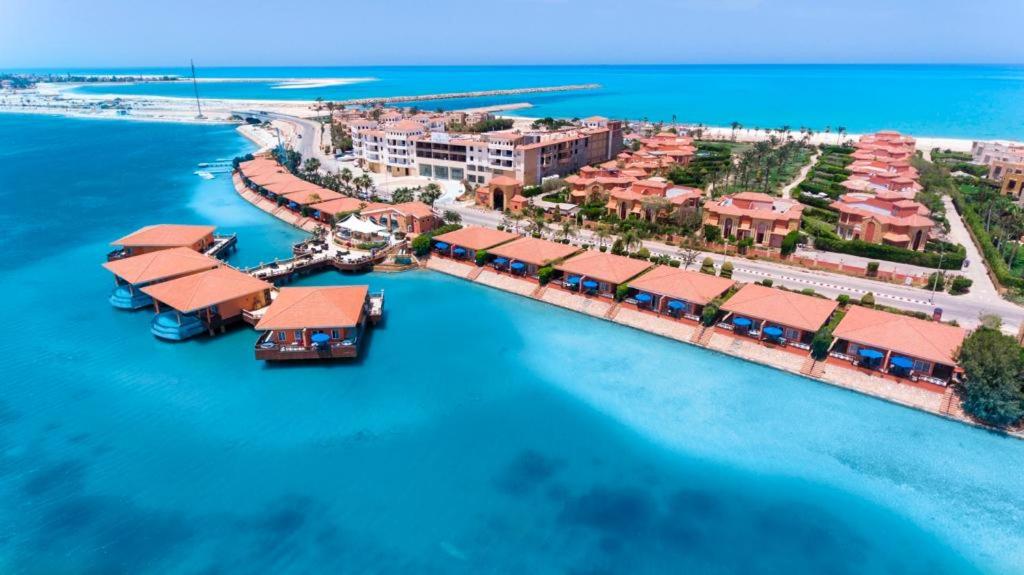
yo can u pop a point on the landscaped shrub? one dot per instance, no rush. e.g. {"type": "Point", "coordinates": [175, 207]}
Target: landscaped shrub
{"type": "Point", "coordinates": [712, 234]}
{"type": "Point", "coordinates": [603, 249]}
{"type": "Point", "coordinates": [544, 274]}
{"type": "Point", "coordinates": [988, 249]}
{"type": "Point", "coordinates": [829, 242]}
{"type": "Point", "coordinates": [872, 270]}
{"type": "Point", "coordinates": [618, 247]}
{"type": "Point", "coordinates": [808, 291]}
{"type": "Point", "coordinates": [726, 271]}
{"type": "Point", "coordinates": [643, 254]}
{"type": "Point", "coordinates": [710, 313]}
{"type": "Point", "coordinates": [481, 257]}
{"type": "Point", "coordinates": [867, 300]}
{"type": "Point", "coordinates": [960, 285]}
{"type": "Point", "coordinates": [767, 282]}
{"type": "Point", "coordinates": [707, 266]}
{"type": "Point", "coordinates": [789, 242]}
{"type": "Point", "coordinates": [673, 263]}
{"type": "Point", "coordinates": [843, 299]}
{"type": "Point", "coordinates": [937, 281]}
{"type": "Point", "coordinates": [821, 343]}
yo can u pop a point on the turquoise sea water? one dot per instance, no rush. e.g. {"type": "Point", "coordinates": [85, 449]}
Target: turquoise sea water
{"type": "Point", "coordinates": [934, 100]}
{"type": "Point", "coordinates": [481, 432]}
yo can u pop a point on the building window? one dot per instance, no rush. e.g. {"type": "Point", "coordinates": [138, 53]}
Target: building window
{"type": "Point", "coordinates": [335, 334]}
{"type": "Point", "coordinates": [298, 335]}
{"type": "Point", "coordinates": [457, 173]}
{"type": "Point", "coordinates": [281, 336]}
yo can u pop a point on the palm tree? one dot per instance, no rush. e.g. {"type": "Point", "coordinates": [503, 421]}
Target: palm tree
{"type": "Point", "coordinates": [602, 234]}
{"type": "Point", "coordinates": [735, 126]}
{"type": "Point", "coordinates": [517, 220]}
{"type": "Point", "coordinates": [346, 176]}
{"type": "Point", "coordinates": [840, 131]}
{"type": "Point", "coordinates": [567, 229]}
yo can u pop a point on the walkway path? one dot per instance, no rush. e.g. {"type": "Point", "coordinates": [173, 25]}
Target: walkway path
{"type": "Point", "coordinates": [788, 189]}
{"type": "Point", "coordinates": [983, 289]}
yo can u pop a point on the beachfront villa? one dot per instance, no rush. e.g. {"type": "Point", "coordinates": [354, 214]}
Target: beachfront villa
{"type": "Point", "coordinates": [464, 243]}
{"type": "Point", "coordinates": [162, 237]}
{"type": "Point", "coordinates": [333, 210]}
{"type": "Point", "coordinates": [595, 183]}
{"type": "Point", "coordinates": [884, 217]}
{"type": "Point", "coordinates": [204, 301]}
{"type": "Point", "coordinates": [598, 273]}
{"type": "Point", "coordinates": [526, 256]}
{"type": "Point", "coordinates": [316, 322]}
{"type": "Point", "coordinates": [777, 315]}
{"type": "Point", "coordinates": [763, 218]}
{"type": "Point", "coordinates": [408, 217]}
{"type": "Point", "coordinates": [676, 292]}
{"type": "Point", "coordinates": [131, 274]}
{"type": "Point", "coordinates": [897, 344]}
{"type": "Point", "coordinates": [638, 200]}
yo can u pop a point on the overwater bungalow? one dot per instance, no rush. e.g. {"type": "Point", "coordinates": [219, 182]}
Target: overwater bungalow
{"type": "Point", "coordinates": [777, 315]}
{"type": "Point", "coordinates": [599, 273]}
{"type": "Point", "coordinates": [162, 237]}
{"type": "Point", "coordinates": [526, 256]}
{"type": "Point", "coordinates": [332, 210]}
{"type": "Point", "coordinates": [204, 301]}
{"type": "Point", "coordinates": [897, 344]}
{"type": "Point", "coordinates": [317, 322]}
{"type": "Point", "coordinates": [136, 272]}
{"type": "Point", "coordinates": [463, 243]}
{"type": "Point", "coordinates": [676, 292]}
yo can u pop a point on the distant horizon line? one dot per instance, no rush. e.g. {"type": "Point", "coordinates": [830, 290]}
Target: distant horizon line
{"type": "Point", "coordinates": [77, 67]}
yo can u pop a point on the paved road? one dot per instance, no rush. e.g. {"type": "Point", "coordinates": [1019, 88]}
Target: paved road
{"type": "Point", "coordinates": [965, 309]}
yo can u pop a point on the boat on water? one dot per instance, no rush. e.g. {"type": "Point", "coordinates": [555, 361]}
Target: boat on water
{"type": "Point", "coordinates": [204, 174]}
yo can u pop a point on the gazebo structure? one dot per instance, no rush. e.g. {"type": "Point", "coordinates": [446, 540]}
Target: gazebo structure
{"type": "Point", "coordinates": [358, 228]}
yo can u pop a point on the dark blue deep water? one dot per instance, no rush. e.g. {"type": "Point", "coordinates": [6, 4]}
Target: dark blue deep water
{"type": "Point", "coordinates": [480, 433]}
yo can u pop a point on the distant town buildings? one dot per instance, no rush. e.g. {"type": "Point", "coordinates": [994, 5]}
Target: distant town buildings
{"type": "Point", "coordinates": [1000, 157]}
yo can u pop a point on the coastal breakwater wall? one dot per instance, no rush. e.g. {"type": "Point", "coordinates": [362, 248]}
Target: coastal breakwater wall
{"type": "Point", "coordinates": [458, 95]}
{"type": "Point", "coordinates": [941, 404]}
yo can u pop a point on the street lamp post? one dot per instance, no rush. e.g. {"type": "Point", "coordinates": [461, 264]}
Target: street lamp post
{"type": "Point", "coordinates": [938, 271]}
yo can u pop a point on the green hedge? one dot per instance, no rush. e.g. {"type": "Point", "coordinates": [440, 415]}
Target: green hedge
{"type": "Point", "coordinates": [988, 249]}
{"type": "Point", "coordinates": [950, 260]}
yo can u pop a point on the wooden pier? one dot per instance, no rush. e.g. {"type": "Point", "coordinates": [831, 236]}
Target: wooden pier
{"type": "Point", "coordinates": [222, 245]}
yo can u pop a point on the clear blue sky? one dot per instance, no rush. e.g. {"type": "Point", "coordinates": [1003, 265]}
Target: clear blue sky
{"type": "Point", "coordinates": [74, 33]}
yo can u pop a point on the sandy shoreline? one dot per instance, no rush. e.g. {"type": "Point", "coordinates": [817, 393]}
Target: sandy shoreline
{"type": "Point", "coordinates": [59, 99]}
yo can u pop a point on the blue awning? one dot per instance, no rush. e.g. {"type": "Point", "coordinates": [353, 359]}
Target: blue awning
{"type": "Point", "coordinates": [501, 261]}
{"type": "Point", "coordinates": [458, 251]}
{"type": "Point", "coordinates": [772, 331]}
{"type": "Point", "coordinates": [292, 205]}
{"type": "Point", "coordinates": [676, 305]}
{"type": "Point", "coordinates": [441, 246]}
{"type": "Point", "coordinates": [518, 265]}
{"type": "Point", "coordinates": [901, 362]}
{"type": "Point", "coordinates": [573, 280]}
{"type": "Point", "coordinates": [870, 353]}
{"type": "Point", "coordinates": [643, 297]}
{"type": "Point", "coordinates": [741, 321]}
{"type": "Point", "coordinates": [590, 284]}
{"type": "Point", "coordinates": [316, 214]}
{"type": "Point", "coordinates": [320, 338]}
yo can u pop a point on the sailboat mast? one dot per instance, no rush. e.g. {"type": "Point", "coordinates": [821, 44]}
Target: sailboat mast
{"type": "Point", "coordinates": [195, 87]}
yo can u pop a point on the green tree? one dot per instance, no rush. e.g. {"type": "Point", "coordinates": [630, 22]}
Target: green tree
{"type": "Point", "coordinates": [993, 371]}
{"type": "Point", "coordinates": [712, 234]}
{"type": "Point", "coordinates": [421, 244]}
{"type": "Point", "coordinates": [621, 291]}
{"type": "Point", "coordinates": [430, 194]}
{"type": "Point", "coordinates": [710, 313]}
{"type": "Point", "coordinates": [452, 217]}
{"type": "Point", "coordinates": [789, 242]}
{"type": "Point", "coordinates": [868, 300]}
{"type": "Point", "coordinates": [402, 195]}
{"type": "Point", "coordinates": [821, 343]}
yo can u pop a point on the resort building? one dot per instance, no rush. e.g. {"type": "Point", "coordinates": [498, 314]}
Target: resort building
{"type": "Point", "coordinates": [266, 177]}
{"type": "Point", "coordinates": [420, 145]}
{"type": "Point", "coordinates": [297, 201]}
{"type": "Point", "coordinates": [205, 301]}
{"type": "Point", "coordinates": [998, 171]}
{"type": "Point", "coordinates": [882, 163]}
{"type": "Point", "coordinates": [162, 237]}
{"type": "Point", "coordinates": [316, 322]}
{"type": "Point", "coordinates": [898, 344]}
{"type": "Point", "coordinates": [409, 217]}
{"type": "Point", "coordinates": [595, 183]}
{"type": "Point", "coordinates": [989, 153]}
{"type": "Point", "coordinates": [777, 315]}
{"type": "Point", "coordinates": [677, 292]}
{"type": "Point", "coordinates": [135, 272]}
{"type": "Point", "coordinates": [463, 243]}
{"type": "Point", "coordinates": [332, 211]}
{"type": "Point", "coordinates": [498, 193]}
{"type": "Point", "coordinates": [1012, 185]}
{"type": "Point", "coordinates": [526, 256]}
{"type": "Point", "coordinates": [599, 273]}
{"type": "Point", "coordinates": [883, 218]}
{"type": "Point", "coordinates": [637, 201]}
{"type": "Point", "coordinates": [765, 219]}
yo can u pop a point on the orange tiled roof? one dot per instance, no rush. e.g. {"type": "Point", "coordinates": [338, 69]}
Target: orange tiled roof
{"type": "Point", "coordinates": [165, 235]}
{"type": "Point", "coordinates": [928, 340]}
{"type": "Point", "coordinates": [604, 266]}
{"type": "Point", "coordinates": [315, 307]}
{"type": "Point", "coordinates": [534, 251]}
{"type": "Point", "coordinates": [203, 289]}
{"type": "Point", "coordinates": [313, 195]}
{"type": "Point", "coordinates": [339, 205]}
{"type": "Point", "coordinates": [161, 264]}
{"type": "Point", "coordinates": [504, 181]}
{"type": "Point", "coordinates": [476, 238]}
{"type": "Point", "coordinates": [791, 309]}
{"type": "Point", "coordinates": [686, 285]}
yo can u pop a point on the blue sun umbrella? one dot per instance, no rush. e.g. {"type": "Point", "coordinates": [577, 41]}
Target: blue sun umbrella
{"type": "Point", "coordinates": [441, 246]}
{"type": "Point", "coordinates": [773, 331]}
{"type": "Point", "coordinates": [643, 297]}
{"type": "Point", "coordinates": [676, 305]}
{"type": "Point", "coordinates": [459, 251]}
{"type": "Point", "coordinates": [573, 280]}
{"type": "Point", "coordinates": [590, 284]}
{"type": "Point", "coordinates": [901, 362]}
{"type": "Point", "coordinates": [500, 261]}
{"type": "Point", "coordinates": [870, 354]}
{"type": "Point", "coordinates": [741, 322]}
{"type": "Point", "coordinates": [518, 265]}
{"type": "Point", "coordinates": [320, 338]}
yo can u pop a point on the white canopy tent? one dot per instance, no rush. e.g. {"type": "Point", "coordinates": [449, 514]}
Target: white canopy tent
{"type": "Point", "coordinates": [360, 227]}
